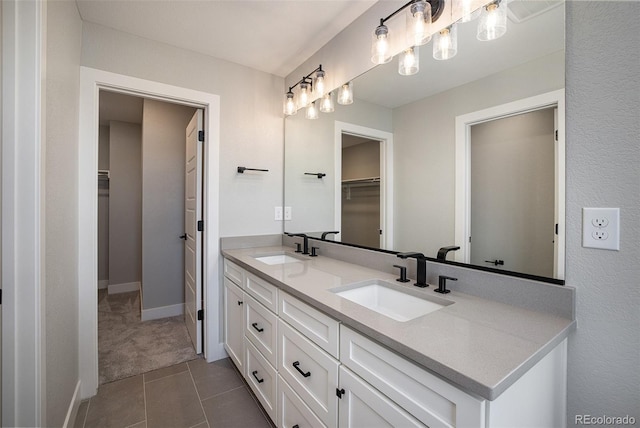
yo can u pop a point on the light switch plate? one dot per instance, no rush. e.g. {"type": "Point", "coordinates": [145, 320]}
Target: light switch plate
{"type": "Point", "coordinates": [287, 213]}
{"type": "Point", "coordinates": [601, 228]}
{"type": "Point", "coordinates": [278, 214]}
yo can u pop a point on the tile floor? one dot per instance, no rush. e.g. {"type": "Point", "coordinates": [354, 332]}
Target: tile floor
{"type": "Point", "coordinates": [191, 394]}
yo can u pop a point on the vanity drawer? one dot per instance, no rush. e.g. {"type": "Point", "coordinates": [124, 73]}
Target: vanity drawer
{"type": "Point", "coordinates": [262, 378]}
{"type": "Point", "coordinates": [234, 272]}
{"type": "Point", "coordinates": [310, 371]}
{"type": "Point", "coordinates": [316, 326]}
{"type": "Point", "coordinates": [262, 291]}
{"type": "Point", "coordinates": [292, 411]}
{"type": "Point", "coordinates": [431, 400]}
{"type": "Point", "coordinates": [261, 328]}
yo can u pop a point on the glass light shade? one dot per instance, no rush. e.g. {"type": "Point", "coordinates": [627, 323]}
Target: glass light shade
{"type": "Point", "coordinates": [326, 103]}
{"type": "Point", "coordinates": [445, 43]}
{"type": "Point", "coordinates": [465, 9]}
{"type": "Point", "coordinates": [304, 97]}
{"type": "Point", "coordinates": [409, 61]}
{"type": "Point", "coordinates": [345, 94]}
{"type": "Point", "coordinates": [380, 49]}
{"type": "Point", "coordinates": [289, 104]}
{"type": "Point", "coordinates": [318, 84]}
{"type": "Point", "coordinates": [493, 21]}
{"type": "Point", "coordinates": [419, 23]}
{"type": "Point", "coordinates": [312, 111]}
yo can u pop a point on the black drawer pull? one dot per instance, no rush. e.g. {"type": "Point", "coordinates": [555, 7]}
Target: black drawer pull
{"type": "Point", "coordinates": [254, 373]}
{"type": "Point", "coordinates": [296, 364]}
{"type": "Point", "coordinates": [239, 302]}
{"type": "Point", "coordinates": [255, 325]}
{"type": "Point", "coordinates": [295, 426]}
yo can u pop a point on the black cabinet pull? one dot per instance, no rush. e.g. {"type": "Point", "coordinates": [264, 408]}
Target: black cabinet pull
{"type": "Point", "coordinates": [495, 262]}
{"type": "Point", "coordinates": [296, 365]}
{"type": "Point", "coordinates": [254, 373]}
{"type": "Point", "coordinates": [183, 236]}
{"type": "Point", "coordinates": [255, 325]}
{"type": "Point", "coordinates": [239, 302]}
{"type": "Point", "coordinates": [295, 426]}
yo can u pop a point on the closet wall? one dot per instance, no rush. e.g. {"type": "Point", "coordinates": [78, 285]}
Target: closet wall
{"type": "Point", "coordinates": [103, 207]}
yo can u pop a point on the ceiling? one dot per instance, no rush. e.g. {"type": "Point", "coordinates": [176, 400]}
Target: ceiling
{"type": "Point", "coordinates": [271, 36]}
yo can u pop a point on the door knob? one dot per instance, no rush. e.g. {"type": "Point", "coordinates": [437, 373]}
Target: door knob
{"type": "Point", "coordinates": [495, 262]}
{"type": "Point", "coordinates": [184, 236]}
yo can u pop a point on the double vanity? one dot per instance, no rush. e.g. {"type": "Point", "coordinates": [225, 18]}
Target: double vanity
{"type": "Point", "coordinates": [324, 342]}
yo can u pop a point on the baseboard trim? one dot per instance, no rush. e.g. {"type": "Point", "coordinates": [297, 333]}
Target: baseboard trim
{"type": "Point", "coordinates": [74, 406]}
{"type": "Point", "coordinates": [103, 283]}
{"type": "Point", "coordinates": [162, 312]}
{"type": "Point", "coordinates": [125, 287]}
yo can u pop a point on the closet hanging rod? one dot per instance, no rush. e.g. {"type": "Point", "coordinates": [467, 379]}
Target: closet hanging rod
{"type": "Point", "coordinates": [242, 169]}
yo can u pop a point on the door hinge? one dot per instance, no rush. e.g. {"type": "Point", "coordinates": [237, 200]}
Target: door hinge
{"type": "Point", "coordinates": [556, 135]}
{"type": "Point", "coordinates": [340, 392]}
{"type": "Point", "coordinates": [200, 314]}
{"type": "Point", "coordinates": [201, 136]}
{"type": "Point", "coordinates": [200, 225]}
{"type": "Point", "coordinates": [556, 228]}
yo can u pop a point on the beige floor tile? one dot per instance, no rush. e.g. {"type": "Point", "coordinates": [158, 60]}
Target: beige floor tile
{"type": "Point", "coordinates": [172, 401]}
{"type": "Point", "coordinates": [167, 371]}
{"type": "Point", "coordinates": [214, 378]}
{"type": "Point", "coordinates": [117, 404]}
{"type": "Point", "coordinates": [234, 409]}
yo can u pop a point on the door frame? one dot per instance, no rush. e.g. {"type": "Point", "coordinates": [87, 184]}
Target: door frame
{"type": "Point", "coordinates": [91, 81]}
{"type": "Point", "coordinates": [386, 176]}
{"type": "Point", "coordinates": [463, 125]}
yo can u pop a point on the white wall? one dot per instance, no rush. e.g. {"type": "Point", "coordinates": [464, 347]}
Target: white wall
{"type": "Point", "coordinates": [603, 170]}
{"type": "Point", "coordinates": [251, 118]}
{"type": "Point", "coordinates": [125, 203]}
{"type": "Point", "coordinates": [163, 181]}
{"type": "Point", "coordinates": [61, 233]}
{"type": "Point", "coordinates": [602, 76]}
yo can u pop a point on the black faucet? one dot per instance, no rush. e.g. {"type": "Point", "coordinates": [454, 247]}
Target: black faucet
{"type": "Point", "coordinates": [324, 234]}
{"type": "Point", "coordinates": [442, 252]}
{"type": "Point", "coordinates": [305, 241]}
{"type": "Point", "coordinates": [421, 267]}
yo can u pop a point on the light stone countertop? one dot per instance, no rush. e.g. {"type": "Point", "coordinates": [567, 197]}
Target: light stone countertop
{"type": "Point", "coordinates": [481, 345]}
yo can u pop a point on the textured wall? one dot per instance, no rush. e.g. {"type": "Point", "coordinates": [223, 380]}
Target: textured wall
{"type": "Point", "coordinates": [61, 234]}
{"type": "Point", "coordinates": [603, 170]}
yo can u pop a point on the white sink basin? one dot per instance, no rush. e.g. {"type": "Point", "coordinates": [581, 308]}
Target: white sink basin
{"type": "Point", "coordinates": [277, 259]}
{"type": "Point", "coordinates": [388, 299]}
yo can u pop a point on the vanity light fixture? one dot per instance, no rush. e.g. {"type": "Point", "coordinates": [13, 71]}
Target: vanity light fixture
{"type": "Point", "coordinates": [311, 88]}
{"type": "Point", "coordinates": [464, 7]}
{"type": "Point", "coordinates": [493, 20]}
{"type": "Point", "coordinates": [418, 23]}
{"type": "Point", "coordinates": [445, 43]}
{"type": "Point", "coordinates": [409, 61]}
{"type": "Point", "coordinates": [345, 94]}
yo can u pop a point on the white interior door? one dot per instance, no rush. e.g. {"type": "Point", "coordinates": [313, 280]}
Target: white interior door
{"type": "Point", "coordinates": [193, 226]}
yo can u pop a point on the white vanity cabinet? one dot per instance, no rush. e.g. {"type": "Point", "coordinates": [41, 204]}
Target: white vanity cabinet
{"type": "Point", "coordinates": [233, 314]}
{"type": "Point", "coordinates": [309, 370]}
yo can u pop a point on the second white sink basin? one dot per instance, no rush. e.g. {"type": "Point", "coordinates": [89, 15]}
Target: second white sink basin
{"type": "Point", "coordinates": [385, 298]}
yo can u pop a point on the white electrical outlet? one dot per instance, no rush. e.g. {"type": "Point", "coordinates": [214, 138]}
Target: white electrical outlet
{"type": "Point", "coordinates": [601, 228]}
{"type": "Point", "coordinates": [287, 213]}
{"type": "Point", "coordinates": [278, 214]}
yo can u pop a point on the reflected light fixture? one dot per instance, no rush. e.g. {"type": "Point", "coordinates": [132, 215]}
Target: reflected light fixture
{"type": "Point", "coordinates": [380, 49]}
{"type": "Point", "coordinates": [493, 21]}
{"type": "Point", "coordinates": [409, 61]}
{"type": "Point", "coordinates": [304, 96]}
{"type": "Point", "coordinates": [345, 94]}
{"type": "Point", "coordinates": [290, 107]}
{"type": "Point", "coordinates": [445, 43]}
{"type": "Point", "coordinates": [312, 111]}
{"type": "Point", "coordinates": [318, 83]}
{"type": "Point", "coordinates": [326, 103]}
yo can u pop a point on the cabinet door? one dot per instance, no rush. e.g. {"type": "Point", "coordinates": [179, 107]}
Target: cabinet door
{"type": "Point", "coordinates": [233, 325]}
{"type": "Point", "coordinates": [361, 405]}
